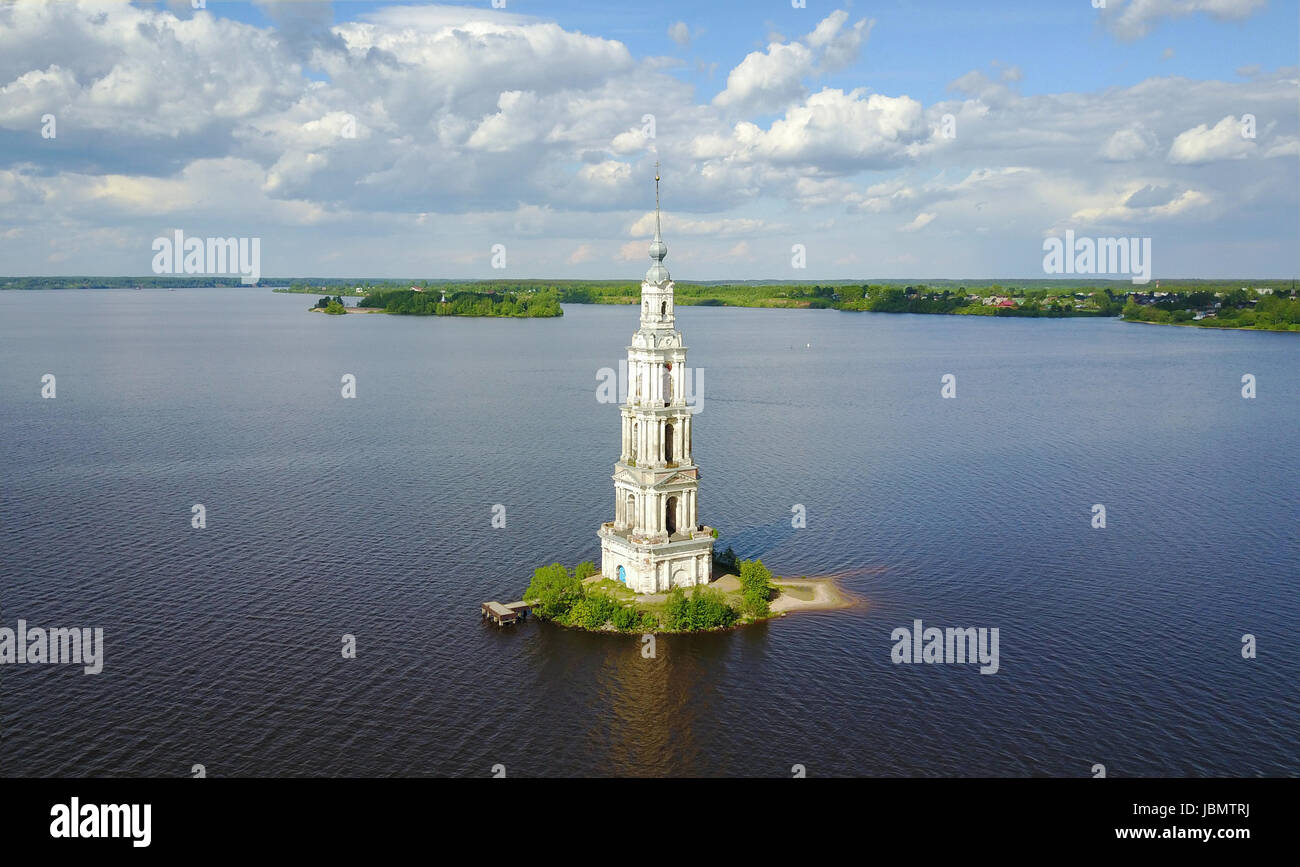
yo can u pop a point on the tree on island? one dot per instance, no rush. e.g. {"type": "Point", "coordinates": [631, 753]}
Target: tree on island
{"type": "Point", "coordinates": [330, 305]}
{"type": "Point", "coordinates": [756, 588]}
{"type": "Point", "coordinates": [465, 303]}
{"type": "Point", "coordinates": [553, 591]}
{"type": "Point", "coordinates": [593, 611]}
{"type": "Point", "coordinates": [705, 608]}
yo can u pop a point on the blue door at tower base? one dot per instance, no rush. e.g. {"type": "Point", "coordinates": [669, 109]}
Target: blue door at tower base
{"type": "Point", "coordinates": [622, 576]}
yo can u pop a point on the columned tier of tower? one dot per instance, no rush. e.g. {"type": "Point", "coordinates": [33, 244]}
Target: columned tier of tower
{"type": "Point", "coordinates": [656, 506]}
{"type": "Point", "coordinates": [658, 437]}
{"type": "Point", "coordinates": [657, 376]}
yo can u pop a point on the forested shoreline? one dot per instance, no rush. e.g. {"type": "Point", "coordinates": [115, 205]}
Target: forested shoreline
{"type": "Point", "coordinates": [1240, 304]}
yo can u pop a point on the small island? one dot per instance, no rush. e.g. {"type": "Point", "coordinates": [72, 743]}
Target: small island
{"type": "Point", "coordinates": [584, 599]}
{"type": "Point", "coordinates": [419, 302]}
{"type": "Point", "coordinates": [333, 306]}
{"type": "Point", "coordinates": [423, 300]}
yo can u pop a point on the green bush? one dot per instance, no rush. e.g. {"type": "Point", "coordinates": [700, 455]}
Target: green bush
{"type": "Point", "coordinates": [585, 570]}
{"type": "Point", "coordinates": [677, 614]}
{"type": "Point", "coordinates": [710, 610]}
{"type": "Point", "coordinates": [756, 588]}
{"type": "Point", "coordinates": [585, 614]}
{"type": "Point", "coordinates": [625, 617]}
{"type": "Point", "coordinates": [755, 604]}
{"type": "Point", "coordinates": [754, 574]}
{"type": "Point", "coordinates": [705, 608]}
{"type": "Point", "coordinates": [594, 611]}
{"type": "Point", "coordinates": [580, 614]}
{"type": "Point", "coordinates": [553, 591]}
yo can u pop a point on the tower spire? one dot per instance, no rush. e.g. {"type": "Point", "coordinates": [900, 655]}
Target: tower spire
{"type": "Point", "coordinates": [656, 198]}
{"type": "Point", "coordinates": [658, 249]}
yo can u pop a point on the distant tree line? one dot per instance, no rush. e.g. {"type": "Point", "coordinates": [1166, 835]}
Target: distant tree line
{"type": "Point", "coordinates": [430, 303]}
{"type": "Point", "coordinates": [1234, 309]}
{"type": "Point", "coordinates": [1178, 301]}
{"type": "Point", "coordinates": [924, 299]}
{"type": "Point", "coordinates": [152, 281]}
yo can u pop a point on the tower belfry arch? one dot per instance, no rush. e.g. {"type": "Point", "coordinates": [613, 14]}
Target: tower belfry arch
{"type": "Point", "coordinates": [656, 540]}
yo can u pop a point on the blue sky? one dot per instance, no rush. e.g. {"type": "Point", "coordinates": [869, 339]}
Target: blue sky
{"type": "Point", "coordinates": [923, 45]}
{"type": "Point", "coordinates": [407, 139]}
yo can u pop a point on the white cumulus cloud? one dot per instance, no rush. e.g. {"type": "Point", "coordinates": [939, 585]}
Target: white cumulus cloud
{"type": "Point", "coordinates": [1204, 144]}
{"type": "Point", "coordinates": [771, 79]}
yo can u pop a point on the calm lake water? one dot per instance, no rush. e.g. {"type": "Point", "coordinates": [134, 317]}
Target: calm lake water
{"type": "Point", "coordinates": [372, 517]}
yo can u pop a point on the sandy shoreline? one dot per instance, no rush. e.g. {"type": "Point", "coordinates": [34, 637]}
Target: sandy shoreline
{"type": "Point", "coordinates": [826, 595]}
{"type": "Point", "coordinates": [822, 592]}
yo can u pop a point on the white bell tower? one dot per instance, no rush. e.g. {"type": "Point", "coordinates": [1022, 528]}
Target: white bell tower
{"type": "Point", "coordinates": [656, 541]}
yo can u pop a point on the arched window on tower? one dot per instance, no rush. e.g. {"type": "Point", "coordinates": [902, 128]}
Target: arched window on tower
{"type": "Point", "coordinates": [663, 308]}
{"type": "Point", "coordinates": [668, 443]}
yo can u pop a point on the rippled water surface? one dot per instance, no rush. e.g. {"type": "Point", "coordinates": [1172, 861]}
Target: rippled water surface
{"type": "Point", "coordinates": [373, 517]}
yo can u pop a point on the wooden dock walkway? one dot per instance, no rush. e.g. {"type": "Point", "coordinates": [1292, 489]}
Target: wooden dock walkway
{"type": "Point", "coordinates": [507, 614]}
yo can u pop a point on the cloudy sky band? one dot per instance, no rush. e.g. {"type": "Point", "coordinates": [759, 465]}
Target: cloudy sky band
{"type": "Point", "coordinates": [406, 140]}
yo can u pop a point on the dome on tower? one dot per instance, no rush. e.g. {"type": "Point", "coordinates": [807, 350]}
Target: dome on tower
{"type": "Point", "coordinates": [658, 250]}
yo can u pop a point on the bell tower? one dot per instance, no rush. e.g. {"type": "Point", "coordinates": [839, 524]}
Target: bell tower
{"type": "Point", "coordinates": [656, 541]}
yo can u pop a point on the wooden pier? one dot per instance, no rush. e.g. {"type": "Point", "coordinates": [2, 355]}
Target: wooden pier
{"type": "Point", "coordinates": [507, 614]}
